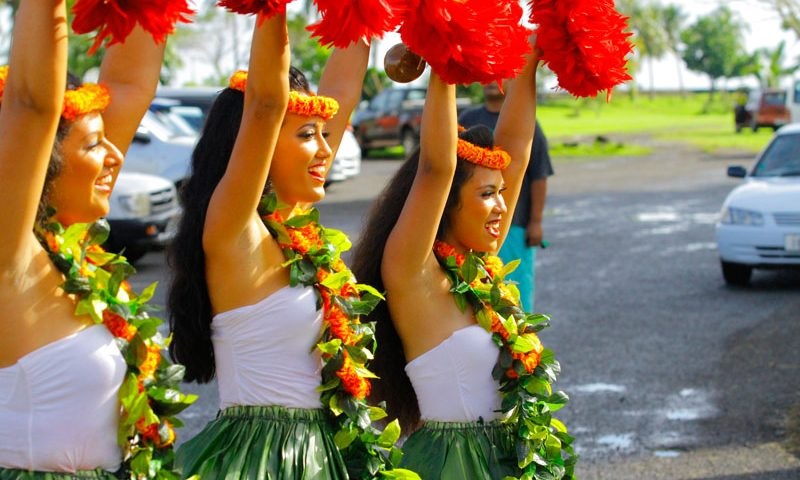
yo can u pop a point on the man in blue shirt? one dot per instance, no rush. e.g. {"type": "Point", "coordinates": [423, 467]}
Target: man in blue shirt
{"type": "Point", "coordinates": [526, 226]}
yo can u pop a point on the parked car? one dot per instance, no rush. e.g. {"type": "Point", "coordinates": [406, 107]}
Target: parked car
{"type": "Point", "coordinates": [185, 119]}
{"type": "Point", "coordinates": [392, 118]}
{"type": "Point", "coordinates": [347, 163]}
{"type": "Point", "coordinates": [194, 103]}
{"type": "Point", "coordinates": [159, 149]}
{"type": "Point", "coordinates": [143, 214]}
{"type": "Point", "coordinates": [199, 97]}
{"type": "Point", "coordinates": [759, 225]}
{"type": "Point", "coordinates": [764, 108]}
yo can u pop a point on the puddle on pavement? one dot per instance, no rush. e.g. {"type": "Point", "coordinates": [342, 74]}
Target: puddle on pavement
{"type": "Point", "coordinates": [666, 453]}
{"type": "Point", "coordinates": [622, 441]}
{"type": "Point", "coordinates": [598, 388]}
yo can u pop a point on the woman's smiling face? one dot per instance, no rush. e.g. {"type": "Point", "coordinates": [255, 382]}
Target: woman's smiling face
{"type": "Point", "coordinates": [475, 223]}
{"type": "Point", "coordinates": [91, 163]}
{"type": "Point", "coordinates": [301, 161]}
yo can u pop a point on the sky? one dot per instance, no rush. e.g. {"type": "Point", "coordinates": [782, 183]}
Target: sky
{"type": "Point", "coordinates": [763, 31]}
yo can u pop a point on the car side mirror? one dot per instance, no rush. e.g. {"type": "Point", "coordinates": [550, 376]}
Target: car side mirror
{"type": "Point", "coordinates": [737, 171]}
{"type": "Point", "coordinates": [142, 135]}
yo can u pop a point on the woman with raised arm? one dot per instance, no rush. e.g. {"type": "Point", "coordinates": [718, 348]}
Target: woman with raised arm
{"type": "Point", "coordinates": [428, 242]}
{"type": "Point", "coordinates": [260, 297]}
{"type": "Point", "coordinates": [77, 348]}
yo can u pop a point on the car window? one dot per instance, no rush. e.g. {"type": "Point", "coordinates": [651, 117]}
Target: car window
{"type": "Point", "coordinates": [416, 95]}
{"type": "Point", "coordinates": [379, 102]}
{"type": "Point", "coordinates": [394, 99]}
{"type": "Point", "coordinates": [781, 158]}
{"type": "Point", "coordinates": [152, 124]}
{"type": "Point", "coordinates": [774, 98]}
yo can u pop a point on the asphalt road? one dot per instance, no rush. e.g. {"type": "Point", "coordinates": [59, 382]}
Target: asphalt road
{"type": "Point", "coordinates": [671, 374]}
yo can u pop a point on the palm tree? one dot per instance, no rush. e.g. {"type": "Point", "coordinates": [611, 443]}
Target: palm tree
{"type": "Point", "coordinates": [775, 61]}
{"type": "Point", "coordinates": [672, 18]}
{"type": "Point", "coordinates": [651, 39]}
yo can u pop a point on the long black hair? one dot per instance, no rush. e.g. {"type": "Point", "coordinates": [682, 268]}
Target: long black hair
{"type": "Point", "coordinates": [56, 163]}
{"type": "Point", "coordinates": [389, 363]}
{"type": "Point", "coordinates": [188, 300]}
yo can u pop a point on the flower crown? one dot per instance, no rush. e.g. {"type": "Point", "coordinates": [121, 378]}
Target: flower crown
{"type": "Point", "coordinates": [495, 158]}
{"type": "Point", "coordinates": [299, 103]}
{"type": "Point", "coordinates": [88, 98]}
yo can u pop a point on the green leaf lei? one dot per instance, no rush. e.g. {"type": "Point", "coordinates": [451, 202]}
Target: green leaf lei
{"type": "Point", "coordinates": [149, 396]}
{"type": "Point", "coordinates": [525, 369]}
{"type": "Point", "coordinates": [313, 255]}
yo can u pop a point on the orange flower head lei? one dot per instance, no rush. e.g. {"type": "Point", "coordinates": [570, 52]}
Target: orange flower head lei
{"type": "Point", "coordinates": [299, 103]}
{"type": "Point", "coordinates": [88, 98]}
{"type": "Point", "coordinates": [495, 158]}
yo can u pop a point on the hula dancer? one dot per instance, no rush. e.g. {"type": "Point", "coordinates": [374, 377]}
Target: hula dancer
{"type": "Point", "coordinates": [261, 298]}
{"type": "Point", "coordinates": [84, 390]}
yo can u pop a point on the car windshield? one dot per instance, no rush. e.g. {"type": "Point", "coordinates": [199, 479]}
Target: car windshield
{"type": "Point", "coordinates": [781, 159]}
{"type": "Point", "coordinates": [775, 98]}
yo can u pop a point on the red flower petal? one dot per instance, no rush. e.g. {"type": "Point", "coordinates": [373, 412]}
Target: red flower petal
{"type": "Point", "coordinates": [344, 22]}
{"type": "Point", "coordinates": [267, 8]}
{"type": "Point", "coordinates": [467, 41]}
{"type": "Point", "coordinates": [584, 42]}
{"type": "Point", "coordinates": [115, 19]}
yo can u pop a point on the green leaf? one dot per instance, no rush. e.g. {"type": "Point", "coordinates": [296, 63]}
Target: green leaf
{"type": "Point", "coordinates": [369, 290]}
{"type": "Point", "coordinates": [523, 344]}
{"type": "Point", "coordinates": [559, 426]}
{"type": "Point", "coordinates": [335, 281]}
{"type": "Point", "coordinates": [330, 384]}
{"type": "Point", "coordinates": [172, 375]}
{"type": "Point", "coordinates": [91, 306]}
{"type": "Point", "coordinates": [537, 386]}
{"type": "Point", "coordinates": [344, 438]}
{"type": "Point", "coordinates": [140, 463]}
{"type": "Point", "coordinates": [469, 269]}
{"type": "Point", "coordinates": [390, 434]}
{"type": "Point", "coordinates": [509, 267]}
{"type": "Point", "coordinates": [337, 238]}
{"type": "Point", "coordinates": [331, 347]}
{"type": "Point", "coordinates": [147, 293]}
{"type": "Point", "coordinates": [483, 319]}
{"type": "Point", "coordinates": [400, 474]}
{"type": "Point", "coordinates": [376, 413]}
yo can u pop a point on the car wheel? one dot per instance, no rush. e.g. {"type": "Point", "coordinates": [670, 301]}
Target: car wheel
{"type": "Point", "coordinates": [736, 273]}
{"type": "Point", "coordinates": [409, 141]}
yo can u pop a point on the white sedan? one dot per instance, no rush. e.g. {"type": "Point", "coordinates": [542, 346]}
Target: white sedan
{"type": "Point", "coordinates": [759, 225]}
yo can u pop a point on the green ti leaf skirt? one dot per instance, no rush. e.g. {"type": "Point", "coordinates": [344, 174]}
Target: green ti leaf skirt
{"type": "Point", "coordinates": [461, 450]}
{"type": "Point", "coordinates": [264, 442]}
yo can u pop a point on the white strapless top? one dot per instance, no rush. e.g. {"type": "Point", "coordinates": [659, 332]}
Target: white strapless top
{"type": "Point", "coordinates": [453, 380]}
{"type": "Point", "coordinates": [58, 405]}
{"type": "Point", "coordinates": [265, 352]}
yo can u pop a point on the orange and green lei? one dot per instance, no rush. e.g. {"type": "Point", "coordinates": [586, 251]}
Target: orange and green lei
{"type": "Point", "coordinates": [313, 256]}
{"type": "Point", "coordinates": [525, 370]}
{"type": "Point", "coordinates": [149, 395]}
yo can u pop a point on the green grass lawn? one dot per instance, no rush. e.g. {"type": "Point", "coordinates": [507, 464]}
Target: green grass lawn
{"type": "Point", "coordinates": [629, 126]}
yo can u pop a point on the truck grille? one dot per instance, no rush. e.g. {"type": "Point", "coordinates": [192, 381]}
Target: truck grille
{"type": "Point", "coordinates": [787, 218]}
{"type": "Point", "coordinates": [162, 200]}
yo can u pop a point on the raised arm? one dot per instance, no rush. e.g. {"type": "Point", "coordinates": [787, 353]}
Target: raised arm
{"type": "Point", "coordinates": [235, 200]}
{"type": "Point", "coordinates": [29, 115]}
{"type": "Point", "coordinates": [130, 70]}
{"type": "Point", "coordinates": [514, 133]}
{"type": "Point", "coordinates": [342, 79]}
{"type": "Point", "coordinates": [411, 242]}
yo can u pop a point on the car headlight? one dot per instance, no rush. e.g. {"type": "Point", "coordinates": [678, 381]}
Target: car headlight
{"type": "Point", "coordinates": [740, 216]}
{"type": "Point", "coordinates": [138, 204]}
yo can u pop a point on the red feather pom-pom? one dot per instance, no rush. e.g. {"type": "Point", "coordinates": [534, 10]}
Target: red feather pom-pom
{"type": "Point", "coordinates": [115, 19]}
{"type": "Point", "coordinates": [467, 41]}
{"type": "Point", "coordinates": [267, 8]}
{"type": "Point", "coordinates": [584, 42]}
{"type": "Point", "coordinates": [346, 21]}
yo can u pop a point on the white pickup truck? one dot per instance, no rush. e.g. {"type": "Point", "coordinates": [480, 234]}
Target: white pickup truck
{"type": "Point", "coordinates": [143, 214]}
